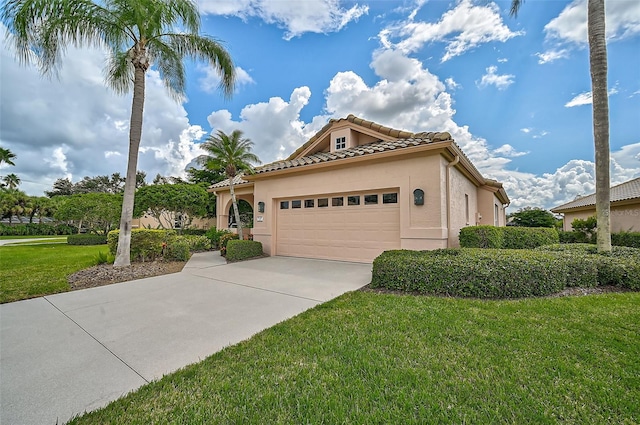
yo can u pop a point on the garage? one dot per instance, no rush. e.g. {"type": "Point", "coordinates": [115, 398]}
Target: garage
{"type": "Point", "coordinates": [344, 226]}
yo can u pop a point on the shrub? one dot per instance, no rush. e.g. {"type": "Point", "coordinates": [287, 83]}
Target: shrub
{"type": "Point", "coordinates": [573, 237]}
{"type": "Point", "coordinates": [483, 273]}
{"type": "Point", "coordinates": [146, 244]}
{"type": "Point", "coordinates": [223, 242]}
{"type": "Point", "coordinates": [507, 237]}
{"type": "Point", "coordinates": [481, 237]}
{"type": "Point", "coordinates": [194, 232]}
{"type": "Point", "coordinates": [104, 258]}
{"type": "Point", "coordinates": [243, 249]}
{"type": "Point", "coordinates": [37, 229]}
{"type": "Point", "coordinates": [177, 249]}
{"type": "Point", "coordinates": [630, 239]}
{"type": "Point", "coordinates": [86, 239]}
{"type": "Point", "coordinates": [214, 235]}
{"type": "Point", "coordinates": [195, 243]}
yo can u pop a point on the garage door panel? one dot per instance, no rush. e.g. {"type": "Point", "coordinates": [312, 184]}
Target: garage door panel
{"type": "Point", "coordinates": [349, 233]}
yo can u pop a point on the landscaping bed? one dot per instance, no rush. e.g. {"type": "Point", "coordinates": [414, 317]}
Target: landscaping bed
{"type": "Point", "coordinates": [106, 274]}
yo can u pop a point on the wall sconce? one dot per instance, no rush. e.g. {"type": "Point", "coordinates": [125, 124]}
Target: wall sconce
{"type": "Point", "coordinates": [418, 197]}
{"type": "Point", "coordinates": [260, 207]}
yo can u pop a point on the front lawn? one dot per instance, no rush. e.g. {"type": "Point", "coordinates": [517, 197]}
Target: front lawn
{"type": "Point", "coordinates": [381, 358]}
{"type": "Point", "coordinates": [35, 270]}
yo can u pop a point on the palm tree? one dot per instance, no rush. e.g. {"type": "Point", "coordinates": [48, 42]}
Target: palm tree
{"type": "Point", "coordinates": [598, 67]}
{"type": "Point", "coordinates": [232, 154]}
{"type": "Point", "coordinates": [7, 156]}
{"type": "Point", "coordinates": [138, 34]}
{"type": "Point", "coordinates": [11, 181]}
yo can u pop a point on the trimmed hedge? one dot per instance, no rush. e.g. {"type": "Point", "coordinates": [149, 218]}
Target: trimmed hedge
{"type": "Point", "coordinates": [87, 239]}
{"type": "Point", "coordinates": [222, 242]}
{"type": "Point", "coordinates": [146, 244]}
{"type": "Point", "coordinates": [630, 239]}
{"type": "Point", "coordinates": [504, 273]}
{"type": "Point", "coordinates": [242, 249]}
{"type": "Point", "coordinates": [37, 229]}
{"type": "Point", "coordinates": [507, 237]}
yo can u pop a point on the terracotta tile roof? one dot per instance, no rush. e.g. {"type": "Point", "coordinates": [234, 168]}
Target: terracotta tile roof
{"type": "Point", "coordinates": [225, 183]}
{"type": "Point", "coordinates": [362, 150]}
{"type": "Point", "coordinates": [358, 121]}
{"type": "Point", "coordinates": [621, 192]}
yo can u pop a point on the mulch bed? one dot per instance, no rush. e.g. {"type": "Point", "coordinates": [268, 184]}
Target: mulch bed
{"type": "Point", "coordinates": [106, 274]}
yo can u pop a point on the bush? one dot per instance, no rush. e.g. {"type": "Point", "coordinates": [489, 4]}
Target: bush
{"type": "Point", "coordinates": [630, 239]}
{"type": "Point", "coordinates": [574, 237]}
{"type": "Point", "coordinates": [242, 249]}
{"type": "Point", "coordinates": [86, 239]}
{"type": "Point", "coordinates": [177, 249]}
{"type": "Point", "coordinates": [482, 273]}
{"type": "Point", "coordinates": [194, 232]}
{"type": "Point", "coordinates": [223, 242]}
{"type": "Point", "coordinates": [507, 237]}
{"type": "Point", "coordinates": [104, 258]}
{"type": "Point", "coordinates": [214, 235]}
{"type": "Point", "coordinates": [195, 243]}
{"type": "Point", "coordinates": [146, 244]}
{"type": "Point", "coordinates": [37, 229]}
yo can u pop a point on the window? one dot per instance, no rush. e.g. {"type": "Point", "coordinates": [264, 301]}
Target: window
{"type": "Point", "coordinates": [296, 204]}
{"type": "Point", "coordinates": [496, 215]}
{"type": "Point", "coordinates": [308, 203]}
{"type": "Point", "coordinates": [390, 198]}
{"type": "Point", "coordinates": [337, 202]}
{"type": "Point", "coordinates": [284, 205]}
{"type": "Point", "coordinates": [466, 206]}
{"type": "Point", "coordinates": [323, 202]}
{"type": "Point", "coordinates": [341, 143]}
{"type": "Point", "coordinates": [371, 199]}
{"type": "Point", "coordinates": [353, 200]}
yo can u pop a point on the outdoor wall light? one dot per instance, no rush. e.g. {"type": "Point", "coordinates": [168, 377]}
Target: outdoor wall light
{"type": "Point", "coordinates": [260, 207]}
{"type": "Point", "coordinates": [418, 197]}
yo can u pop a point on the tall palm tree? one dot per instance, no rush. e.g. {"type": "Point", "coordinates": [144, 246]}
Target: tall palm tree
{"type": "Point", "coordinates": [138, 34]}
{"type": "Point", "coordinates": [7, 156]}
{"type": "Point", "coordinates": [11, 181]}
{"type": "Point", "coordinates": [598, 67]}
{"type": "Point", "coordinates": [231, 154]}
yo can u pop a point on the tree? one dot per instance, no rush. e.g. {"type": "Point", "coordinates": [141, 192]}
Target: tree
{"type": "Point", "coordinates": [11, 181]}
{"type": "Point", "coordinates": [7, 156]}
{"type": "Point", "coordinates": [139, 34]}
{"type": "Point", "coordinates": [600, 97]}
{"type": "Point", "coordinates": [97, 212]}
{"type": "Point", "coordinates": [533, 217]}
{"type": "Point", "coordinates": [168, 203]}
{"type": "Point", "coordinates": [232, 154]}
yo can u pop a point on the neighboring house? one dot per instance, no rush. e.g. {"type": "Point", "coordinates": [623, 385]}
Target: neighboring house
{"type": "Point", "coordinates": [625, 208]}
{"type": "Point", "coordinates": [357, 188]}
{"type": "Point", "coordinates": [170, 221]}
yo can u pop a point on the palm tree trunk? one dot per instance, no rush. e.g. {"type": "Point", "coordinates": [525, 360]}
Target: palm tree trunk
{"type": "Point", "coordinates": [123, 256]}
{"type": "Point", "coordinates": [235, 208]}
{"type": "Point", "coordinates": [598, 66]}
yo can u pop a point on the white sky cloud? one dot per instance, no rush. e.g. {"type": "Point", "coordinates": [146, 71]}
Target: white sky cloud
{"type": "Point", "coordinates": [551, 56]}
{"type": "Point", "coordinates": [319, 16]}
{"type": "Point", "coordinates": [585, 98]}
{"type": "Point", "coordinates": [526, 130]}
{"type": "Point", "coordinates": [462, 28]}
{"type": "Point", "coordinates": [210, 82]}
{"type": "Point", "coordinates": [491, 78]}
{"type": "Point", "coordinates": [451, 84]}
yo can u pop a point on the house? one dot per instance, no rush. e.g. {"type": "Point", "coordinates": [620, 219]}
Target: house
{"type": "Point", "coordinates": [357, 188]}
{"type": "Point", "coordinates": [625, 208]}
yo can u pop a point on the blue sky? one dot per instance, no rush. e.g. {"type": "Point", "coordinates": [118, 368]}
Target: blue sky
{"type": "Point", "coordinates": [514, 92]}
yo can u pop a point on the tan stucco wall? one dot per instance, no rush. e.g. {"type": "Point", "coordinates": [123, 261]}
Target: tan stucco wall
{"type": "Point", "coordinates": [623, 217]}
{"type": "Point", "coordinates": [223, 203]}
{"type": "Point", "coordinates": [148, 221]}
{"type": "Point", "coordinates": [487, 203]}
{"type": "Point", "coordinates": [421, 227]}
{"type": "Point", "coordinates": [461, 186]}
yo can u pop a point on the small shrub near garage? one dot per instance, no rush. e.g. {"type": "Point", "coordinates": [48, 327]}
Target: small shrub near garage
{"type": "Point", "coordinates": [224, 239]}
{"type": "Point", "coordinates": [87, 239]}
{"type": "Point", "coordinates": [507, 237]}
{"type": "Point", "coordinates": [241, 250]}
{"type": "Point", "coordinates": [146, 244]}
{"type": "Point", "coordinates": [214, 235]}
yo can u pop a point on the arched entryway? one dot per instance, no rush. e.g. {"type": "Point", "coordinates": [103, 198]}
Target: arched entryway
{"type": "Point", "coordinates": [245, 209]}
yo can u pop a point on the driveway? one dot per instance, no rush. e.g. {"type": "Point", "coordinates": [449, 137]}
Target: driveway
{"type": "Point", "coordinates": [68, 353]}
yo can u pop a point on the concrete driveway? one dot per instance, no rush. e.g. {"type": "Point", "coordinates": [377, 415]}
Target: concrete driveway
{"type": "Point", "coordinates": [68, 353]}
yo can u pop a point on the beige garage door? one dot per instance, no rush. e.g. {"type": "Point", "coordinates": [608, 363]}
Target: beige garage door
{"type": "Point", "coordinates": [347, 227]}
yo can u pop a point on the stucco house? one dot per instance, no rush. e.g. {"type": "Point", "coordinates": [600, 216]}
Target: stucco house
{"type": "Point", "coordinates": [625, 208]}
{"type": "Point", "coordinates": [357, 188]}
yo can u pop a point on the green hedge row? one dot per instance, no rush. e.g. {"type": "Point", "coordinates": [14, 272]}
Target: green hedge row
{"type": "Point", "coordinates": [242, 249]}
{"type": "Point", "coordinates": [86, 239]}
{"type": "Point", "coordinates": [630, 239]}
{"type": "Point", "coordinates": [507, 237]}
{"type": "Point", "coordinates": [37, 229]}
{"type": "Point", "coordinates": [503, 273]}
{"type": "Point", "coordinates": [151, 244]}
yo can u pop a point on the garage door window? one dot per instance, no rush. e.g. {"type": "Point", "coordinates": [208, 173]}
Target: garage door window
{"type": "Point", "coordinates": [337, 202]}
{"type": "Point", "coordinates": [371, 199]}
{"type": "Point", "coordinates": [284, 205]}
{"type": "Point", "coordinates": [390, 198]}
{"type": "Point", "coordinates": [323, 202]}
{"type": "Point", "coordinates": [308, 203]}
{"type": "Point", "coordinates": [296, 204]}
{"type": "Point", "coordinates": [353, 200]}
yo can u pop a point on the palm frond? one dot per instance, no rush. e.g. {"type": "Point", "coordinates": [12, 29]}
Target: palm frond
{"type": "Point", "coordinates": [170, 65]}
{"type": "Point", "coordinates": [515, 7]}
{"type": "Point", "coordinates": [119, 72]}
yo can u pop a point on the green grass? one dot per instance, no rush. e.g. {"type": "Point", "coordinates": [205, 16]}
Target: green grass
{"type": "Point", "coordinates": [368, 358]}
{"type": "Point", "coordinates": [34, 270]}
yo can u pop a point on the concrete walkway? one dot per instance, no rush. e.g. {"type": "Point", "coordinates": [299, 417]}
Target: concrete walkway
{"type": "Point", "coordinates": [68, 353]}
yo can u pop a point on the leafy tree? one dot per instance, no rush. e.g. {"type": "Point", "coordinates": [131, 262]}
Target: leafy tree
{"type": "Point", "coordinates": [172, 202]}
{"type": "Point", "coordinates": [97, 212]}
{"type": "Point", "coordinates": [139, 34]}
{"type": "Point", "coordinates": [61, 187]}
{"type": "Point", "coordinates": [204, 176]}
{"type": "Point", "coordinates": [598, 67]}
{"type": "Point", "coordinates": [586, 226]}
{"type": "Point", "coordinates": [11, 181]}
{"type": "Point", "coordinates": [41, 206]}
{"type": "Point", "coordinates": [13, 202]}
{"type": "Point", "coordinates": [232, 154]}
{"type": "Point", "coordinates": [533, 217]}
{"type": "Point", "coordinates": [6, 156]}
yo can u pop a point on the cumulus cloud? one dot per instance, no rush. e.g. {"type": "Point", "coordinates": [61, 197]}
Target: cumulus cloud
{"type": "Point", "coordinates": [508, 151]}
{"type": "Point", "coordinates": [551, 56]}
{"type": "Point", "coordinates": [462, 28]}
{"type": "Point", "coordinates": [451, 84]}
{"type": "Point", "coordinates": [491, 78]}
{"type": "Point", "coordinates": [210, 82]}
{"type": "Point", "coordinates": [74, 126]}
{"type": "Point", "coordinates": [586, 98]}
{"type": "Point", "coordinates": [319, 16]}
